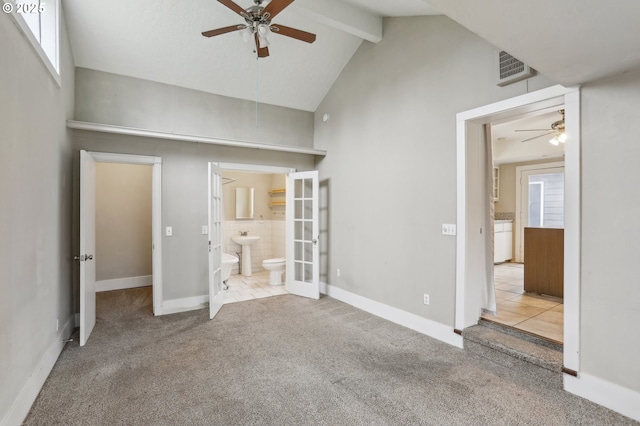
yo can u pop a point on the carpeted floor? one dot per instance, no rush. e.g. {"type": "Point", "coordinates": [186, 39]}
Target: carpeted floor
{"type": "Point", "coordinates": [286, 360]}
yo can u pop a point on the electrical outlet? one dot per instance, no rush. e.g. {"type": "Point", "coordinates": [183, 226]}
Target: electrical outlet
{"type": "Point", "coordinates": [338, 272]}
{"type": "Point", "coordinates": [426, 299]}
{"type": "Point", "coordinates": [448, 229]}
{"type": "Point", "coordinates": [169, 231]}
{"type": "Point", "coordinates": [205, 230]}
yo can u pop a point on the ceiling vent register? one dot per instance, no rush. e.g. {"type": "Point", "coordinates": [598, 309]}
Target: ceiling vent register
{"type": "Point", "coordinates": [511, 69]}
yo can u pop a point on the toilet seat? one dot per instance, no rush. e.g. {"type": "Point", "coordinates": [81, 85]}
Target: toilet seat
{"type": "Point", "coordinates": [274, 261]}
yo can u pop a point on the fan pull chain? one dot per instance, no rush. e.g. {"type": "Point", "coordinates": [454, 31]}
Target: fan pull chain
{"type": "Point", "coordinates": [257, 89]}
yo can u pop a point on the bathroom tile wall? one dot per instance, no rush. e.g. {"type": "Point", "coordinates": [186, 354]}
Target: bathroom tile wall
{"type": "Point", "coordinates": [271, 243]}
{"type": "Point", "coordinates": [278, 238]}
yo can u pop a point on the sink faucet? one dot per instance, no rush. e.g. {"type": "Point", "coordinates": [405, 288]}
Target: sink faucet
{"type": "Point", "coordinates": [244, 233]}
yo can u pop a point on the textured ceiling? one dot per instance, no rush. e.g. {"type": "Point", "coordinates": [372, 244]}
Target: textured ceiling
{"type": "Point", "coordinates": [526, 138]}
{"type": "Point", "coordinates": [160, 40]}
{"type": "Point", "coordinates": [569, 41]}
{"type": "Point", "coordinates": [395, 8]}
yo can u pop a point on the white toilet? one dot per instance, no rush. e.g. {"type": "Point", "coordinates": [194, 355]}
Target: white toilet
{"type": "Point", "coordinates": [276, 268]}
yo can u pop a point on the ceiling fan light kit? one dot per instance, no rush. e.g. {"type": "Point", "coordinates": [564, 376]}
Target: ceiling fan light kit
{"type": "Point", "coordinates": [258, 24]}
{"type": "Point", "coordinates": [558, 127]}
{"type": "Point", "coordinates": [557, 130]}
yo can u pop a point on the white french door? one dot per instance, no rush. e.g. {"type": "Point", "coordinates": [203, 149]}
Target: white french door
{"type": "Point", "coordinates": [303, 254]}
{"type": "Point", "coordinates": [87, 245]}
{"type": "Point", "coordinates": [215, 240]}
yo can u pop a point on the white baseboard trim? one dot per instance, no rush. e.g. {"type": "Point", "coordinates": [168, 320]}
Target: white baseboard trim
{"type": "Point", "coordinates": [23, 402]}
{"type": "Point", "coordinates": [183, 305]}
{"type": "Point", "coordinates": [124, 283]}
{"type": "Point", "coordinates": [414, 322]}
{"type": "Point", "coordinates": [615, 397]}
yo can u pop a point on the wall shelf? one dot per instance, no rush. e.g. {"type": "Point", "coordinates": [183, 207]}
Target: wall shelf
{"type": "Point", "coordinates": [130, 131]}
{"type": "Point", "coordinates": [279, 201]}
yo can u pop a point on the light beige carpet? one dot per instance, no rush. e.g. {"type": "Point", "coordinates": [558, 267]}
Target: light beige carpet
{"type": "Point", "coordinates": [286, 360]}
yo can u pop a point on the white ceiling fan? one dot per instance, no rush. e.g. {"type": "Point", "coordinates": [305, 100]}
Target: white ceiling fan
{"type": "Point", "coordinates": [556, 129]}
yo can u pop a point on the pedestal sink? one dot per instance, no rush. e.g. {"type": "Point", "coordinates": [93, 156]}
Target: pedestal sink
{"type": "Point", "coordinates": [246, 241]}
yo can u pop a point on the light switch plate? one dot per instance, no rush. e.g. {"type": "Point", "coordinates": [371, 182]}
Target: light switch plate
{"type": "Point", "coordinates": [205, 230]}
{"type": "Point", "coordinates": [448, 229]}
{"type": "Point", "coordinates": [169, 231]}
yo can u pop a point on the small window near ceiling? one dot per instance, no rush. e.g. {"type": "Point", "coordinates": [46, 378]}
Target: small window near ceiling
{"type": "Point", "coordinates": [41, 19]}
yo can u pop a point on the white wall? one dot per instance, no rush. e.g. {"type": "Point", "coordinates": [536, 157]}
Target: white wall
{"type": "Point", "coordinates": [123, 221]}
{"type": "Point", "coordinates": [35, 217]}
{"type": "Point", "coordinates": [610, 288]}
{"type": "Point", "coordinates": [391, 160]}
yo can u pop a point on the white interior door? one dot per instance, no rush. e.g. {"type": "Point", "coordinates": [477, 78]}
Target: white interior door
{"type": "Point", "coordinates": [303, 253]}
{"type": "Point", "coordinates": [87, 245]}
{"type": "Point", "coordinates": [215, 240]}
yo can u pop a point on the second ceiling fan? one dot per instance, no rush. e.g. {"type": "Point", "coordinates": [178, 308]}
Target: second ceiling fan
{"type": "Point", "coordinates": [258, 22]}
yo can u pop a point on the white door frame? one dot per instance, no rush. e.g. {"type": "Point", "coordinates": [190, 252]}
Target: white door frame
{"type": "Point", "coordinates": [467, 311]}
{"type": "Point", "coordinates": [520, 217]}
{"type": "Point", "coordinates": [156, 214]}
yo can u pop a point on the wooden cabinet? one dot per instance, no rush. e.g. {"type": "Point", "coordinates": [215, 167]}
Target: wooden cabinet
{"type": "Point", "coordinates": [502, 241]}
{"type": "Point", "coordinates": [544, 261]}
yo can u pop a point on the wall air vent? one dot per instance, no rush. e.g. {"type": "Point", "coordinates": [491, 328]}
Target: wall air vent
{"type": "Point", "coordinates": [511, 69]}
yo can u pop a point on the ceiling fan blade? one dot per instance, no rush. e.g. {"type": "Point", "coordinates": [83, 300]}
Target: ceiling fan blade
{"type": "Point", "coordinates": [536, 137]}
{"type": "Point", "coordinates": [293, 33]}
{"type": "Point", "coordinates": [233, 6]}
{"type": "Point", "coordinates": [263, 52]}
{"type": "Point", "coordinates": [224, 30]}
{"type": "Point", "coordinates": [531, 130]}
{"type": "Point", "coordinates": [275, 7]}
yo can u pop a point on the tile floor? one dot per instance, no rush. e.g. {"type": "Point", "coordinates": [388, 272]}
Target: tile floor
{"type": "Point", "coordinates": [254, 287]}
{"type": "Point", "coordinates": [533, 313]}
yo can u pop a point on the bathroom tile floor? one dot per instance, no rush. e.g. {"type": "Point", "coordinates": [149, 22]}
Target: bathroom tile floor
{"type": "Point", "coordinates": [254, 287]}
{"type": "Point", "coordinates": [534, 313]}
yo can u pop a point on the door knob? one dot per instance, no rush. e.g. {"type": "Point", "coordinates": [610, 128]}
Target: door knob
{"type": "Point", "coordinates": [88, 257]}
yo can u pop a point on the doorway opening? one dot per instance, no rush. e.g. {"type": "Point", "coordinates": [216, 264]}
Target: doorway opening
{"type": "Point", "coordinates": [88, 258]}
{"type": "Point", "coordinates": [299, 198]}
{"type": "Point", "coordinates": [528, 194]}
{"type": "Point", "coordinates": [471, 217]}
{"type": "Point", "coordinates": [253, 204]}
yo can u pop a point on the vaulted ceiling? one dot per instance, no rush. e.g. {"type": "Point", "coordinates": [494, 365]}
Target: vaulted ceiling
{"type": "Point", "coordinates": [160, 40]}
{"type": "Point", "coordinates": [570, 42]}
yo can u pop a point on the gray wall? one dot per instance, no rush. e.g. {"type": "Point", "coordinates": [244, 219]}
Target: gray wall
{"type": "Point", "coordinates": [131, 102]}
{"type": "Point", "coordinates": [610, 286]}
{"type": "Point", "coordinates": [184, 198]}
{"type": "Point", "coordinates": [391, 148]}
{"type": "Point", "coordinates": [35, 215]}
{"type": "Point", "coordinates": [391, 160]}
{"type": "Point", "coordinates": [123, 221]}
{"type": "Point", "coordinates": [125, 101]}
